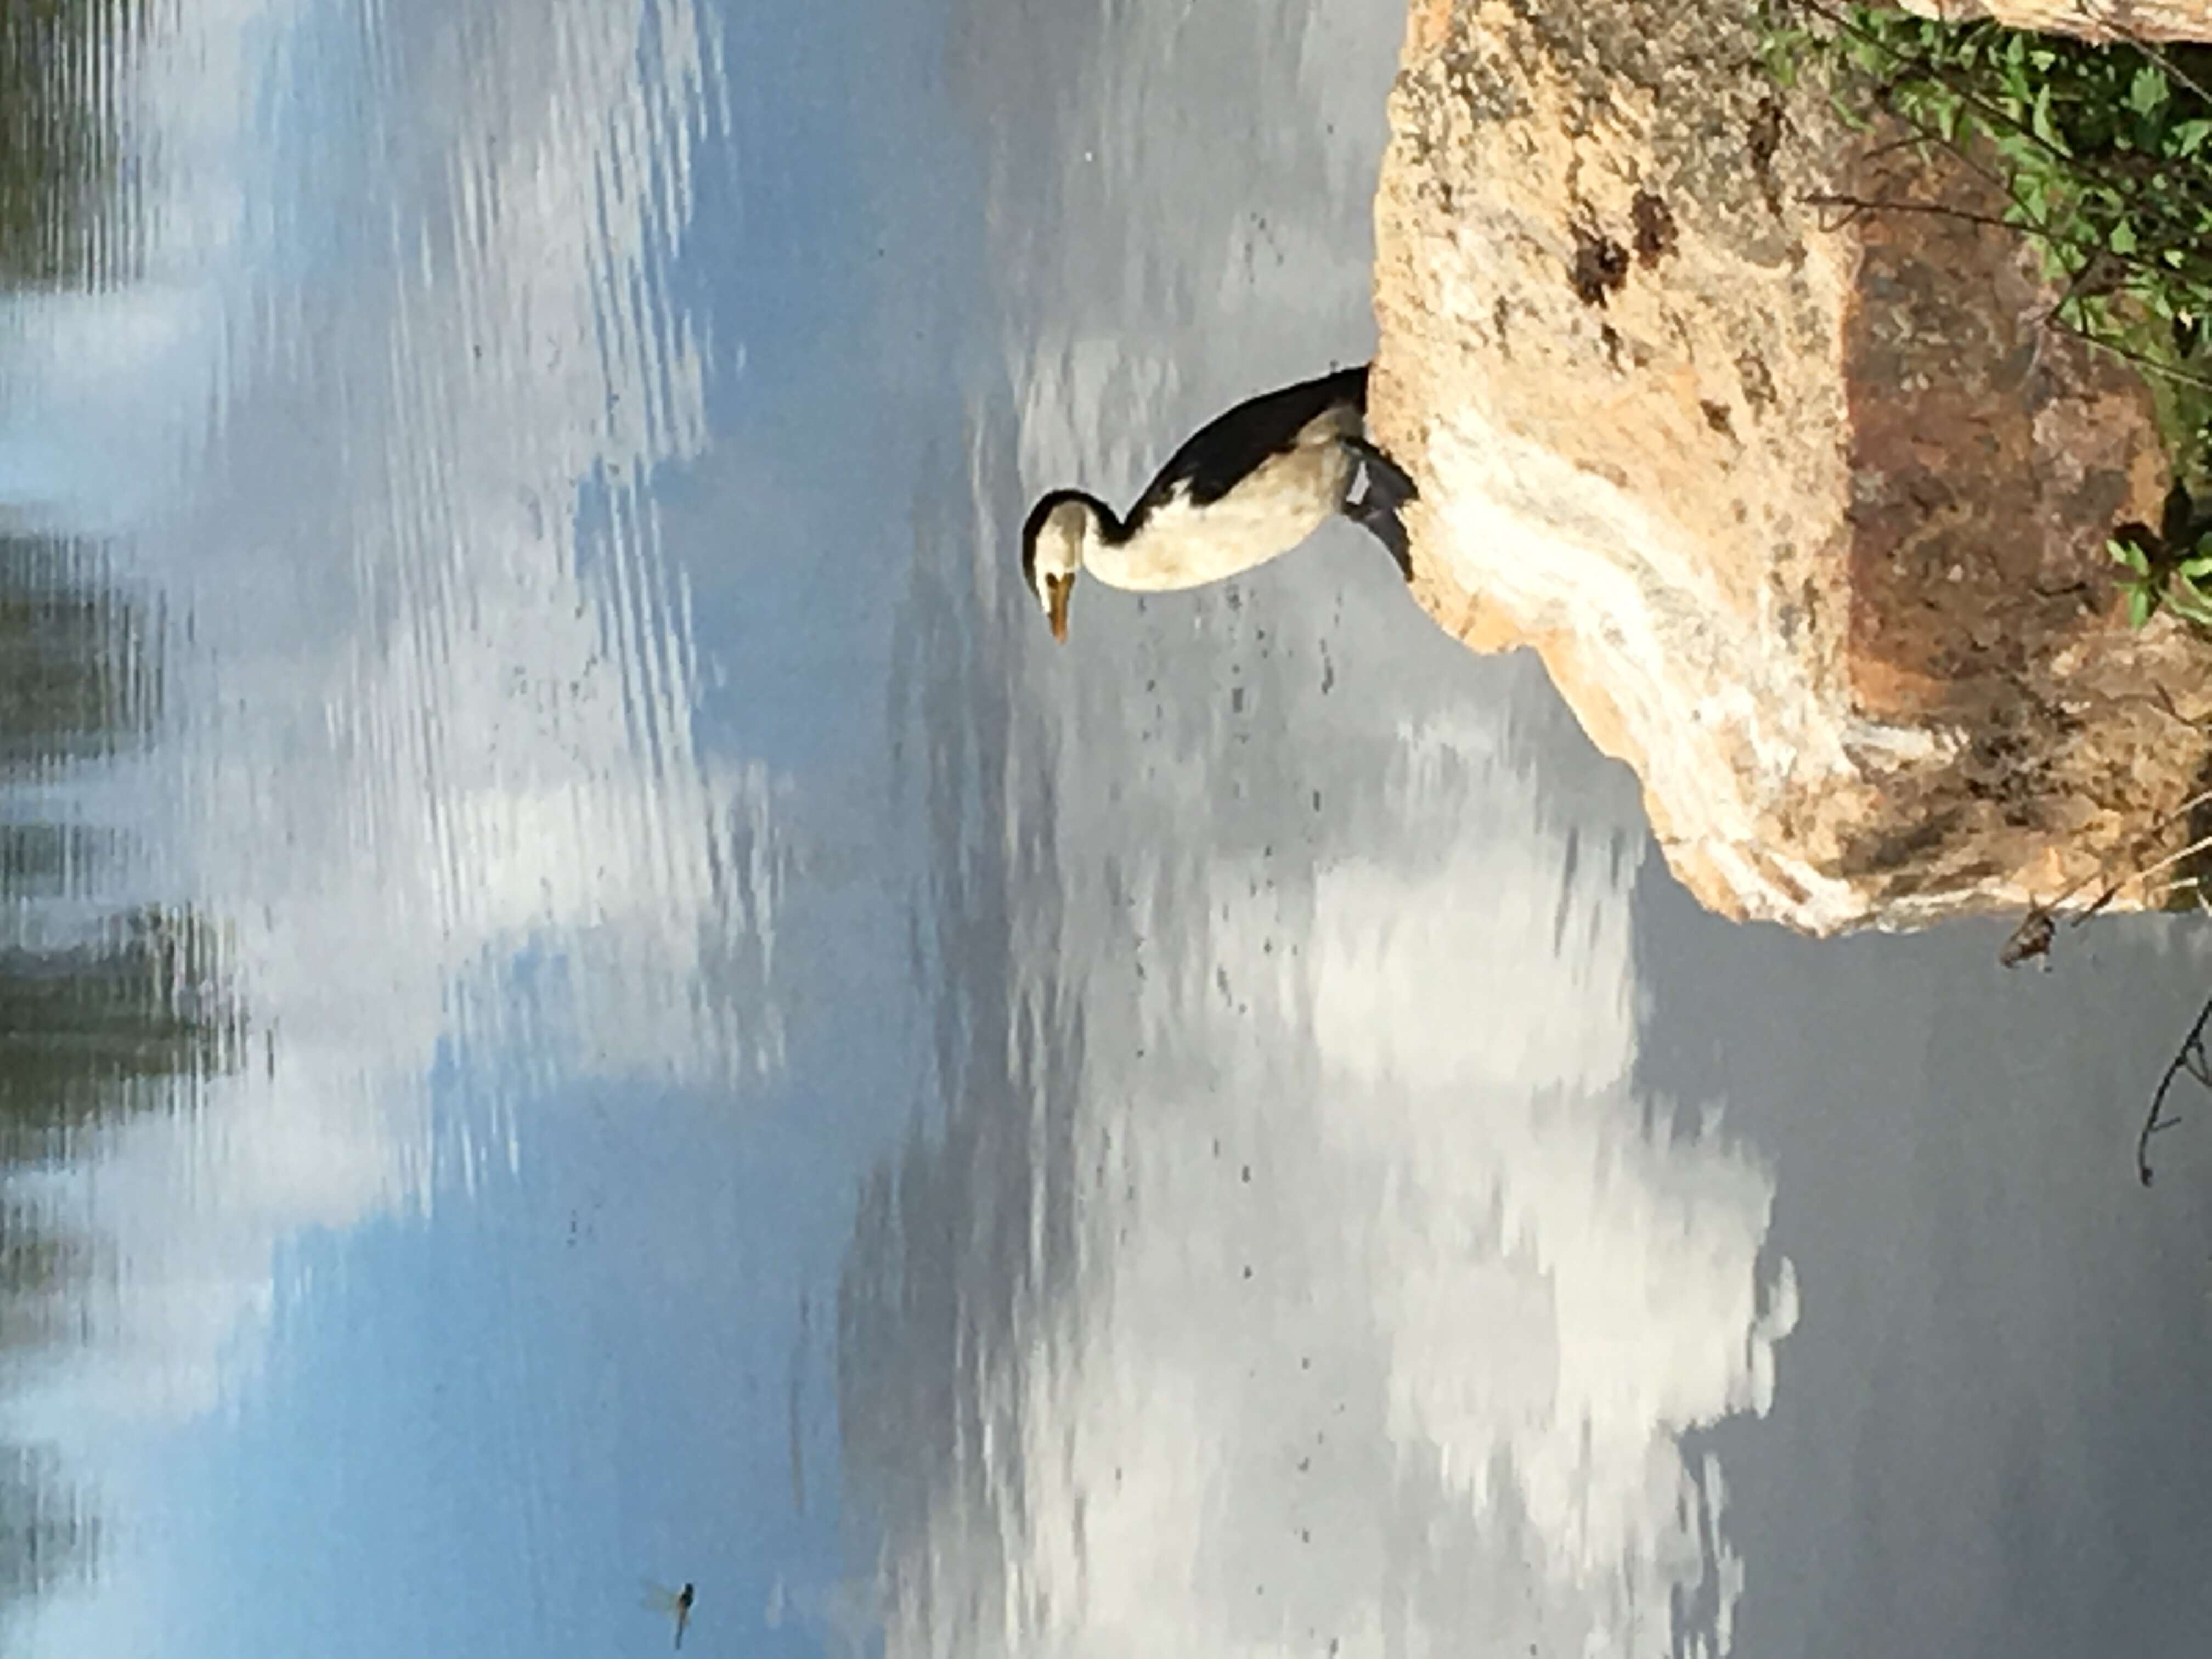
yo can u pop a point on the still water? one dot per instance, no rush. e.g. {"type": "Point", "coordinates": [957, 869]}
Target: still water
{"type": "Point", "coordinates": [589, 999]}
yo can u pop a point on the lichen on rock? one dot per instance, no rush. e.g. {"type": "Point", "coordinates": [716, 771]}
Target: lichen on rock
{"type": "Point", "coordinates": [1804, 508]}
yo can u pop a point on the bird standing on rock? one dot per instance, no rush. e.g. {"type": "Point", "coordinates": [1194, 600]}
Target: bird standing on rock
{"type": "Point", "coordinates": [1245, 487]}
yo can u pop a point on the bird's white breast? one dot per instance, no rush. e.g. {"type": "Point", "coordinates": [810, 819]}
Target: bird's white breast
{"type": "Point", "coordinates": [1270, 511]}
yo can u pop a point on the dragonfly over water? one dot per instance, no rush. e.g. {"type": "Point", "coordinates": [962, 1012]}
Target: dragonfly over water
{"type": "Point", "coordinates": [671, 1604]}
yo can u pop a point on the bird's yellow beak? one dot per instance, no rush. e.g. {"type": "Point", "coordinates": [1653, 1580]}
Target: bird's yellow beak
{"type": "Point", "coordinates": [1056, 590]}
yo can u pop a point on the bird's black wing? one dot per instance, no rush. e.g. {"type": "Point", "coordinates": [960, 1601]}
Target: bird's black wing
{"type": "Point", "coordinates": [1214, 458]}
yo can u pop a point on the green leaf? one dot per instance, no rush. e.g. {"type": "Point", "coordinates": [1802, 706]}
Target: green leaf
{"type": "Point", "coordinates": [2129, 555]}
{"type": "Point", "coordinates": [2141, 602]}
{"type": "Point", "coordinates": [2191, 606]}
{"type": "Point", "coordinates": [2189, 136]}
{"type": "Point", "coordinates": [2123, 238]}
{"type": "Point", "coordinates": [2041, 125]}
{"type": "Point", "coordinates": [2148, 91]}
{"type": "Point", "coordinates": [2195, 570]}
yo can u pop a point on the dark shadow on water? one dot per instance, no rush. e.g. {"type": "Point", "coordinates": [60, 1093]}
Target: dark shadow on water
{"type": "Point", "coordinates": [67, 185]}
{"type": "Point", "coordinates": [86, 1024]}
{"type": "Point", "coordinates": [77, 677]}
{"type": "Point", "coordinates": [50, 1531]}
{"type": "Point", "coordinates": [112, 1006]}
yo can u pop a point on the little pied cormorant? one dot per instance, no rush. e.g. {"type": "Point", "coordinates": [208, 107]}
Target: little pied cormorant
{"type": "Point", "coordinates": [1246, 486]}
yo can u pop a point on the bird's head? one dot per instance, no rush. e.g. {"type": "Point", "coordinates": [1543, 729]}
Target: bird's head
{"type": "Point", "coordinates": [1061, 528]}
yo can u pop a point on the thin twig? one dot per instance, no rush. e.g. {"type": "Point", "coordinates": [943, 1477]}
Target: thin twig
{"type": "Point", "coordinates": [2202, 798]}
{"type": "Point", "coordinates": [2031, 223]}
{"type": "Point", "coordinates": [1965, 94]}
{"type": "Point", "coordinates": [2169, 859]}
{"type": "Point", "coordinates": [2178, 814]}
{"type": "Point", "coordinates": [2150, 365]}
{"type": "Point", "coordinates": [1908, 142]}
{"type": "Point", "coordinates": [2188, 1058]}
{"type": "Point", "coordinates": [1859, 204]}
{"type": "Point", "coordinates": [2040, 225]}
{"type": "Point", "coordinates": [2135, 876]}
{"type": "Point", "coordinates": [2033, 935]}
{"type": "Point", "coordinates": [2149, 48]}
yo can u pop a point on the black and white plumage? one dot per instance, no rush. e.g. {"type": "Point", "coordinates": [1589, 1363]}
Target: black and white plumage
{"type": "Point", "coordinates": [1245, 487]}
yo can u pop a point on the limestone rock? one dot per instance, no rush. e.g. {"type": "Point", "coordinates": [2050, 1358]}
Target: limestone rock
{"type": "Point", "coordinates": [2091, 20]}
{"type": "Point", "coordinates": [1804, 510]}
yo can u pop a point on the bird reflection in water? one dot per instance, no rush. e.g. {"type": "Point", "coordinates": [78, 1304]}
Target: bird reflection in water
{"type": "Point", "coordinates": [671, 1604]}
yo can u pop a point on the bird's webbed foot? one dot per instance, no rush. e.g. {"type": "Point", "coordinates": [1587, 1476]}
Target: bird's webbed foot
{"type": "Point", "coordinates": [1385, 478]}
{"type": "Point", "coordinates": [1387, 488]}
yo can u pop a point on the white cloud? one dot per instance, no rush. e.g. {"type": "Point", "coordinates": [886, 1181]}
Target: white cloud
{"type": "Point", "coordinates": [1390, 1307]}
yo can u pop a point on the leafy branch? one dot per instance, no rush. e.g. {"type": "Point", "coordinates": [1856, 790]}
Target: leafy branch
{"type": "Point", "coordinates": [2102, 156]}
